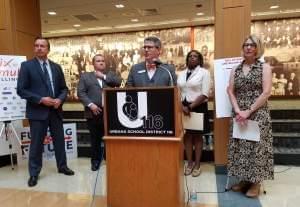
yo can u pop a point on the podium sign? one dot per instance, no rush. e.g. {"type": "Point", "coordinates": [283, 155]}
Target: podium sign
{"type": "Point", "coordinates": [144, 150]}
{"type": "Point", "coordinates": [134, 112]}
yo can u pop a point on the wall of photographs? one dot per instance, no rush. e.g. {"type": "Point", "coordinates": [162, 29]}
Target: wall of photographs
{"type": "Point", "coordinates": [282, 50]}
{"type": "Point", "coordinates": [121, 50]}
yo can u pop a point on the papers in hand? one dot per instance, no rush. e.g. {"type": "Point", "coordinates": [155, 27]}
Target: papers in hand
{"type": "Point", "coordinates": [193, 122]}
{"type": "Point", "coordinates": [248, 132]}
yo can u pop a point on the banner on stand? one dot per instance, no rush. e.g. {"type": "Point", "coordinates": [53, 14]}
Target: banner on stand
{"type": "Point", "coordinates": [12, 107]}
{"type": "Point", "coordinates": [70, 143]}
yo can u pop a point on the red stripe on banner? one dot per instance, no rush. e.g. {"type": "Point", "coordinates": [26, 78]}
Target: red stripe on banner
{"type": "Point", "coordinates": [68, 138]}
{"type": "Point", "coordinates": [26, 142]}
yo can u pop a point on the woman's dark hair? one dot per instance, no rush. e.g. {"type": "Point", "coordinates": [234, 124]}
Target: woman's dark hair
{"type": "Point", "coordinates": [200, 57]}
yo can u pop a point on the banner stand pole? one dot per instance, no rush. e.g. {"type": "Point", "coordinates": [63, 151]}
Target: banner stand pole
{"type": "Point", "coordinates": [5, 127]}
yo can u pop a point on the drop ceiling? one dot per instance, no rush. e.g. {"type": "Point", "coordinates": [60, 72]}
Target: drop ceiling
{"type": "Point", "coordinates": [101, 16]}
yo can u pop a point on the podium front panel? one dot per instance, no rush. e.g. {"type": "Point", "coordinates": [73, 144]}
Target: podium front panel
{"type": "Point", "coordinates": [147, 112]}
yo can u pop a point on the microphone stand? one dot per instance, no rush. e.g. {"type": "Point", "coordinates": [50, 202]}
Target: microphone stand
{"type": "Point", "coordinates": [158, 64]}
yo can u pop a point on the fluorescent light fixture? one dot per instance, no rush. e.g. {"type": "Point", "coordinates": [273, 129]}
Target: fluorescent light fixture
{"type": "Point", "coordinates": [119, 6]}
{"type": "Point", "coordinates": [96, 28]}
{"type": "Point", "coordinates": [200, 14]}
{"type": "Point", "coordinates": [76, 25]}
{"type": "Point", "coordinates": [52, 13]}
{"type": "Point", "coordinates": [134, 20]}
{"type": "Point", "coordinates": [127, 26]}
{"type": "Point", "coordinates": [276, 12]}
{"type": "Point", "coordinates": [274, 7]}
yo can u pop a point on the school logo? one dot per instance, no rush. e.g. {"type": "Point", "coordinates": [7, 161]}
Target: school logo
{"type": "Point", "coordinates": [132, 110]}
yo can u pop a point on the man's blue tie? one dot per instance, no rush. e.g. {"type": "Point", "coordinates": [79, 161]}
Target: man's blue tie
{"type": "Point", "coordinates": [48, 82]}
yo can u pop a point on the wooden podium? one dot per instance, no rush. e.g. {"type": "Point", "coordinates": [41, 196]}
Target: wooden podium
{"type": "Point", "coordinates": [144, 149]}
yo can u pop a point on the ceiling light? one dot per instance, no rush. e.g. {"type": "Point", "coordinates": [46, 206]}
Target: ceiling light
{"type": "Point", "coordinates": [119, 6]}
{"type": "Point", "coordinates": [134, 20]}
{"type": "Point", "coordinates": [126, 26]}
{"type": "Point", "coordinates": [200, 13]}
{"type": "Point", "coordinates": [76, 25]}
{"type": "Point", "coordinates": [274, 7]}
{"type": "Point", "coordinates": [52, 13]}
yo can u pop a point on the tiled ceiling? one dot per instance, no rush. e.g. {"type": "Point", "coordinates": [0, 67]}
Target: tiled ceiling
{"type": "Point", "coordinates": [101, 16]}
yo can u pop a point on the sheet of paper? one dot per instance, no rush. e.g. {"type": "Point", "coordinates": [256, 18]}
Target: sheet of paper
{"type": "Point", "coordinates": [193, 122]}
{"type": "Point", "coordinates": [248, 132]}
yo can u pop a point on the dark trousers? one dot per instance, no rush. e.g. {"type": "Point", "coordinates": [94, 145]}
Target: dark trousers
{"type": "Point", "coordinates": [38, 131]}
{"type": "Point", "coordinates": [96, 128]}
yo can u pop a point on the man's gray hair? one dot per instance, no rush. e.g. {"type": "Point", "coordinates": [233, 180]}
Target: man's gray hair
{"type": "Point", "coordinates": [155, 40]}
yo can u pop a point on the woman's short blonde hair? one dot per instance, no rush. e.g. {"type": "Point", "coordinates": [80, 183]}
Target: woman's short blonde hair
{"type": "Point", "coordinates": [259, 45]}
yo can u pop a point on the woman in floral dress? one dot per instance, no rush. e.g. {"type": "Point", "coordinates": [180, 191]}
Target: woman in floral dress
{"type": "Point", "coordinates": [249, 88]}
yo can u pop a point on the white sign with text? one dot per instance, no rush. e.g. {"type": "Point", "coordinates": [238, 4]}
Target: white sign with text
{"type": "Point", "coordinates": [222, 69]}
{"type": "Point", "coordinates": [12, 107]}
{"type": "Point", "coordinates": [70, 143]}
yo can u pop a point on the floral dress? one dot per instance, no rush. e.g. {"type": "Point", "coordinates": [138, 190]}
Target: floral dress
{"type": "Point", "coordinates": [248, 160]}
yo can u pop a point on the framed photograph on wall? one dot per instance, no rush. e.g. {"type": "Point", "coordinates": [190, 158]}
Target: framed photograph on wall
{"type": "Point", "coordinates": [281, 39]}
{"type": "Point", "coordinates": [204, 42]}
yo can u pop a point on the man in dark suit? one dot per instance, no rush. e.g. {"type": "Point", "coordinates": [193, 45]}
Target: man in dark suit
{"type": "Point", "coordinates": [151, 72]}
{"type": "Point", "coordinates": [41, 82]}
{"type": "Point", "coordinates": [89, 91]}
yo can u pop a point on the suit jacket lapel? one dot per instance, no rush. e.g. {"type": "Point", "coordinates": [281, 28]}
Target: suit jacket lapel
{"type": "Point", "coordinates": [94, 79]}
{"type": "Point", "coordinates": [185, 75]}
{"type": "Point", "coordinates": [196, 70]}
{"type": "Point", "coordinates": [157, 74]}
{"type": "Point", "coordinates": [146, 76]}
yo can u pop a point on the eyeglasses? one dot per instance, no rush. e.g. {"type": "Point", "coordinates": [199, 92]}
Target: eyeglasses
{"type": "Point", "coordinates": [249, 45]}
{"type": "Point", "coordinates": [149, 47]}
{"type": "Point", "coordinates": [190, 56]}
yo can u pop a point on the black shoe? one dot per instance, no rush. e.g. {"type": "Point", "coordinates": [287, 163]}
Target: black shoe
{"type": "Point", "coordinates": [95, 167]}
{"type": "Point", "coordinates": [66, 171]}
{"type": "Point", "coordinates": [32, 181]}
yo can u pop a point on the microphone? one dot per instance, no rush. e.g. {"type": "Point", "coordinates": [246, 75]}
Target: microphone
{"type": "Point", "coordinates": [158, 64]}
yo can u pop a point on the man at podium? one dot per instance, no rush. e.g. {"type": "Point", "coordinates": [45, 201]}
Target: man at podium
{"type": "Point", "coordinates": [151, 72]}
